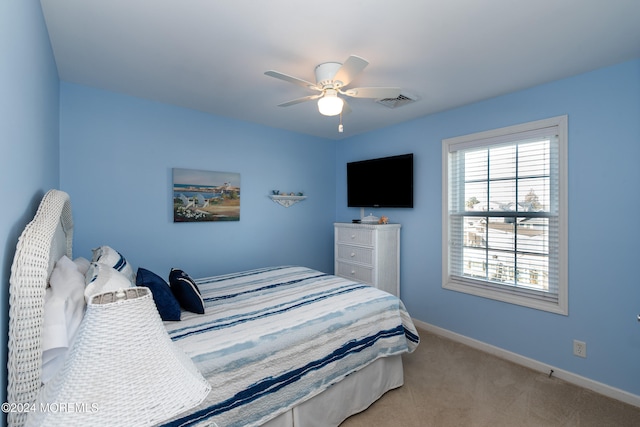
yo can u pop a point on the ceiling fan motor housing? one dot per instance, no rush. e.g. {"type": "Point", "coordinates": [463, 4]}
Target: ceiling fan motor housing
{"type": "Point", "coordinates": [325, 73]}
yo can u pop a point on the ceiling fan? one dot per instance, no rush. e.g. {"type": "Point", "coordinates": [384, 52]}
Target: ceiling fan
{"type": "Point", "coordinates": [331, 79]}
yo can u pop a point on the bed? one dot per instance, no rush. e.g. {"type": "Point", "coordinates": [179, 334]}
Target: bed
{"type": "Point", "coordinates": [280, 346]}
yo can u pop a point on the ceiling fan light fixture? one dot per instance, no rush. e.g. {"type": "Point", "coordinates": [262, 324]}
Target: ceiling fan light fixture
{"type": "Point", "coordinates": [330, 104]}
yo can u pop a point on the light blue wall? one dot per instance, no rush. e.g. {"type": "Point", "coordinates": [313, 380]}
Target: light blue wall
{"type": "Point", "coordinates": [116, 157]}
{"type": "Point", "coordinates": [28, 133]}
{"type": "Point", "coordinates": [604, 176]}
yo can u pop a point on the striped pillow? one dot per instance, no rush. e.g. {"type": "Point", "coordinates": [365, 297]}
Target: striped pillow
{"type": "Point", "coordinates": [101, 278]}
{"type": "Point", "coordinates": [109, 256]}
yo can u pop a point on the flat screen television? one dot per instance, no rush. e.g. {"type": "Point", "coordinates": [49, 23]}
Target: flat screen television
{"type": "Point", "coordinates": [386, 182]}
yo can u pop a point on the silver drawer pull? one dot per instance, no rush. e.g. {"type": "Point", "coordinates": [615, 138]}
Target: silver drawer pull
{"type": "Point", "coordinates": [353, 254]}
{"type": "Point", "coordinates": [353, 272]}
{"type": "Point", "coordinates": [353, 236]}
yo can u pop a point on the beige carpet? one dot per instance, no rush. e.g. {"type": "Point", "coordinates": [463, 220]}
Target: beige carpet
{"type": "Point", "coordinates": [450, 384]}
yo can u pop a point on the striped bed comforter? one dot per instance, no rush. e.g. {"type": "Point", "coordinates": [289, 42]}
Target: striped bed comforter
{"type": "Point", "coordinates": [272, 338]}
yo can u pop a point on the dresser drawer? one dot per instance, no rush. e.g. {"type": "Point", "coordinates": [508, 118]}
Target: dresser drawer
{"type": "Point", "coordinates": [355, 254]}
{"type": "Point", "coordinates": [354, 272]}
{"type": "Point", "coordinates": [356, 236]}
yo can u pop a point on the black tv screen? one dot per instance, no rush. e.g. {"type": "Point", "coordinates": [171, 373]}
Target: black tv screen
{"type": "Point", "coordinates": [386, 182]}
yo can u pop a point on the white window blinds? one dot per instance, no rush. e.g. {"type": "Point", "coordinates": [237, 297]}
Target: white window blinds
{"type": "Point", "coordinates": [504, 232]}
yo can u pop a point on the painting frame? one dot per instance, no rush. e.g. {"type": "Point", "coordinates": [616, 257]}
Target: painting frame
{"type": "Point", "coordinates": [205, 196]}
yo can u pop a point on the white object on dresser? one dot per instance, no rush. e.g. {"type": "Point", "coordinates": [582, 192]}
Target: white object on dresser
{"type": "Point", "coordinates": [369, 253]}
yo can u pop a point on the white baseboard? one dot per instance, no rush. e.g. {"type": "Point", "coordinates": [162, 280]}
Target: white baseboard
{"type": "Point", "coordinates": [567, 376]}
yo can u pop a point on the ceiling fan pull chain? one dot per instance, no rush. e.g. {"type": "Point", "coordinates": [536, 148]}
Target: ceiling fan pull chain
{"type": "Point", "coordinates": [340, 128]}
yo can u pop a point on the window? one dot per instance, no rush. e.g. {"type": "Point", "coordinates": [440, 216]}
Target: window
{"type": "Point", "coordinates": [504, 214]}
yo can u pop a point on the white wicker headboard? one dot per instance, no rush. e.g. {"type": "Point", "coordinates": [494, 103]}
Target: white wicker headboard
{"type": "Point", "coordinates": [43, 241]}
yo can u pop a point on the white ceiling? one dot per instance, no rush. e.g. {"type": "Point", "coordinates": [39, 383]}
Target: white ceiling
{"type": "Point", "coordinates": [211, 55]}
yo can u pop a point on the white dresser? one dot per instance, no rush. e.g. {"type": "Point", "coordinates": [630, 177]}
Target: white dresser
{"type": "Point", "coordinates": [369, 253]}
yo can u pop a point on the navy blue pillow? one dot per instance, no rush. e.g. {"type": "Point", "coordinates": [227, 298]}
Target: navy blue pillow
{"type": "Point", "coordinates": [167, 305]}
{"type": "Point", "coordinates": [186, 291]}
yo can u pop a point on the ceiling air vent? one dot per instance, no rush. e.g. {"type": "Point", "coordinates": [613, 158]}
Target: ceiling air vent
{"type": "Point", "coordinates": [401, 100]}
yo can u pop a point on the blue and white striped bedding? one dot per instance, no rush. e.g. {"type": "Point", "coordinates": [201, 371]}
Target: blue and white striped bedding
{"type": "Point", "coordinates": [274, 337]}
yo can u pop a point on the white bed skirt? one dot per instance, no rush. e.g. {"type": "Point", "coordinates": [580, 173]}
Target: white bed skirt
{"type": "Point", "coordinates": [353, 394]}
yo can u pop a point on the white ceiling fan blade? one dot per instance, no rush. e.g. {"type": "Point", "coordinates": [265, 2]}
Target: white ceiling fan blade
{"type": "Point", "coordinates": [299, 100]}
{"type": "Point", "coordinates": [291, 79]}
{"type": "Point", "coordinates": [351, 68]}
{"type": "Point", "coordinates": [373, 92]}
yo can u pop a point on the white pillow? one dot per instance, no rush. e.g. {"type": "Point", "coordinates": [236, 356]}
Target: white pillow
{"type": "Point", "coordinates": [82, 264]}
{"type": "Point", "coordinates": [109, 256]}
{"type": "Point", "coordinates": [63, 311]}
{"type": "Point", "coordinates": [101, 278]}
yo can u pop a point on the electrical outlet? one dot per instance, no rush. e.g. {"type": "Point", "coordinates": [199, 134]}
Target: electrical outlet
{"type": "Point", "coordinates": [579, 348]}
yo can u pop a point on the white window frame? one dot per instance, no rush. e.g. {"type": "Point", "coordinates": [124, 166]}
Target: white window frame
{"type": "Point", "coordinates": [488, 289]}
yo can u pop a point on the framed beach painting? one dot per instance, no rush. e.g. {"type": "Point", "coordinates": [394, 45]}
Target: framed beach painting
{"type": "Point", "coordinates": [200, 196]}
